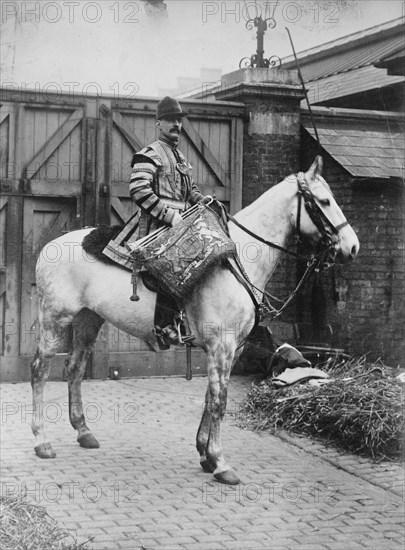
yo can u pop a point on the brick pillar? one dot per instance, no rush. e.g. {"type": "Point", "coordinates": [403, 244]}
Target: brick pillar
{"type": "Point", "coordinates": [271, 151]}
{"type": "Point", "coordinates": [271, 148]}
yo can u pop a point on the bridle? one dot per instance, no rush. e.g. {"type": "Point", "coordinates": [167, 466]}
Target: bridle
{"type": "Point", "coordinates": [317, 216]}
{"type": "Point", "coordinates": [323, 257]}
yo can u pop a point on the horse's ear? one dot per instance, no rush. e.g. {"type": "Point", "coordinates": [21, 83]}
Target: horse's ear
{"type": "Point", "coordinates": [315, 169]}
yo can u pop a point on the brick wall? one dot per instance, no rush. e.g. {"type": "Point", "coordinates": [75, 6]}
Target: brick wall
{"type": "Point", "coordinates": [268, 159]}
{"type": "Point", "coordinates": [271, 152]}
{"type": "Point", "coordinates": [364, 300]}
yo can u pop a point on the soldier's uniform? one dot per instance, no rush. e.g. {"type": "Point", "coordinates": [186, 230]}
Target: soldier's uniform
{"type": "Point", "coordinates": [161, 184]}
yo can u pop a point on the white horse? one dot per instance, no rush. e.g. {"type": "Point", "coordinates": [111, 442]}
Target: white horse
{"type": "Point", "coordinates": [81, 293]}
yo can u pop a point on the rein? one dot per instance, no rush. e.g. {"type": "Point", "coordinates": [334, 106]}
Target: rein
{"type": "Point", "coordinates": [325, 256]}
{"type": "Point", "coordinates": [260, 239]}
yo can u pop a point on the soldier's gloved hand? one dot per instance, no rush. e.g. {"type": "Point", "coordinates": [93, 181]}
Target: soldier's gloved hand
{"type": "Point", "coordinates": [218, 208]}
{"type": "Point", "coordinates": [176, 219]}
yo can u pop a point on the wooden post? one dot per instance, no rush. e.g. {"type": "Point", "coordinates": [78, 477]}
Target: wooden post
{"type": "Point", "coordinates": [89, 182]}
{"type": "Point", "coordinates": [104, 164]}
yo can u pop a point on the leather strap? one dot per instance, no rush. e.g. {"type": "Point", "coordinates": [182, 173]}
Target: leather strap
{"type": "Point", "coordinates": [248, 289]}
{"type": "Point", "coordinates": [258, 238]}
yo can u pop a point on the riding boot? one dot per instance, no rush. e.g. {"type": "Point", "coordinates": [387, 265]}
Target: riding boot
{"type": "Point", "coordinates": [169, 335]}
{"type": "Point", "coordinates": [168, 330]}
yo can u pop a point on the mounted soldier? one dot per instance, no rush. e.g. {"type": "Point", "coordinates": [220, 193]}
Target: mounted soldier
{"type": "Point", "coordinates": [161, 181]}
{"type": "Point", "coordinates": [162, 187]}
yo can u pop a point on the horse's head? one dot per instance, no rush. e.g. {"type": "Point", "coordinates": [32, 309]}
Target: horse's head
{"type": "Point", "coordinates": [318, 216]}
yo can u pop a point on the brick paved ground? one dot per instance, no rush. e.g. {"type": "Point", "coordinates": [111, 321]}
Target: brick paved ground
{"type": "Point", "coordinates": [144, 489]}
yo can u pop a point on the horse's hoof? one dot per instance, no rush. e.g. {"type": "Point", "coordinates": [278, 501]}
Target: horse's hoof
{"type": "Point", "coordinates": [44, 450]}
{"type": "Point", "coordinates": [227, 477]}
{"type": "Point", "coordinates": [206, 466]}
{"type": "Point", "coordinates": [88, 441]}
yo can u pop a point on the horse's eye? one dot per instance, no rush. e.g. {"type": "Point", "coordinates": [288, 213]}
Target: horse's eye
{"type": "Point", "coordinates": [325, 202]}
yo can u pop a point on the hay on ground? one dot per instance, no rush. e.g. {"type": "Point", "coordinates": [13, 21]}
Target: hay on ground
{"type": "Point", "coordinates": [363, 414]}
{"type": "Point", "coordinates": [25, 526]}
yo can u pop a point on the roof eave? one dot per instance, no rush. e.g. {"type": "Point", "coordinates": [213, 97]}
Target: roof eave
{"type": "Point", "coordinates": [346, 43]}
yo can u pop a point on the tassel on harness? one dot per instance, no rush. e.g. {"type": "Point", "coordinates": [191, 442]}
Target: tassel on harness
{"type": "Point", "coordinates": [134, 282]}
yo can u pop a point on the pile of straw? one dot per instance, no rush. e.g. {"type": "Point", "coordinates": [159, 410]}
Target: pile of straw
{"type": "Point", "coordinates": [27, 526]}
{"type": "Point", "coordinates": [360, 411]}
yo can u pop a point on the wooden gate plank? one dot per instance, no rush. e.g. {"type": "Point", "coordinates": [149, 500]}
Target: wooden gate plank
{"type": "Point", "coordinates": [39, 159]}
{"type": "Point", "coordinates": [8, 166]}
{"type": "Point", "coordinates": [127, 132]}
{"type": "Point", "coordinates": [14, 240]}
{"type": "Point", "coordinates": [54, 230]}
{"type": "Point", "coordinates": [4, 112]}
{"type": "Point", "coordinates": [104, 165]}
{"type": "Point", "coordinates": [55, 189]}
{"type": "Point", "coordinates": [90, 168]}
{"type": "Point", "coordinates": [2, 281]}
{"type": "Point", "coordinates": [116, 204]}
{"type": "Point", "coordinates": [236, 172]}
{"type": "Point", "coordinates": [206, 153]}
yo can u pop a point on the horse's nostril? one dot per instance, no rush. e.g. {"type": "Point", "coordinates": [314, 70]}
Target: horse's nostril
{"type": "Point", "coordinates": [354, 251]}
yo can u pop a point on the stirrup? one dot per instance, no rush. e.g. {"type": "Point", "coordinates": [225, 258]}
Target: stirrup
{"type": "Point", "coordinates": [171, 335]}
{"type": "Point", "coordinates": [168, 336]}
{"type": "Point", "coordinates": [180, 324]}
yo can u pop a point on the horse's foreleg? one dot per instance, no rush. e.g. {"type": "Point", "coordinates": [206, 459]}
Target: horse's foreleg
{"type": "Point", "coordinates": [219, 369]}
{"type": "Point", "coordinates": [86, 326]}
{"type": "Point", "coordinates": [203, 434]}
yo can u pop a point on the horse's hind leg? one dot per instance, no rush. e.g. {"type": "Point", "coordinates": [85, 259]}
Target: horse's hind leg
{"type": "Point", "coordinates": [51, 339]}
{"type": "Point", "coordinates": [86, 326]}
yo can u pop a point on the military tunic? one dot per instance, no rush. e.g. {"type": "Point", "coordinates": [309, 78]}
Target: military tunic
{"type": "Point", "coordinates": [161, 184]}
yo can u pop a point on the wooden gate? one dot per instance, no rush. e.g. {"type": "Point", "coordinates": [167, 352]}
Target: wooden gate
{"type": "Point", "coordinates": [65, 164]}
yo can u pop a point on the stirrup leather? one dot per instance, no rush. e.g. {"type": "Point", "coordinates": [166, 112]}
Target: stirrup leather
{"type": "Point", "coordinates": [181, 323]}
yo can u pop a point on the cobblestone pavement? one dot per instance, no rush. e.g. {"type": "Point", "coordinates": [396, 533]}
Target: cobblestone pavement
{"type": "Point", "coordinates": [144, 489]}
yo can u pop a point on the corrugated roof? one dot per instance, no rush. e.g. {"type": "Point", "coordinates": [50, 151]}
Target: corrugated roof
{"type": "Point", "coordinates": [394, 63]}
{"type": "Point", "coordinates": [342, 62]}
{"type": "Point", "coordinates": [366, 148]}
{"type": "Point", "coordinates": [361, 50]}
{"type": "Point", "coordinates": [349, 83]}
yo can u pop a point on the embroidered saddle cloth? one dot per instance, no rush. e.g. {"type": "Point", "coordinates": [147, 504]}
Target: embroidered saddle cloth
{"type": "Point", "coordinates": [180, 256]}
